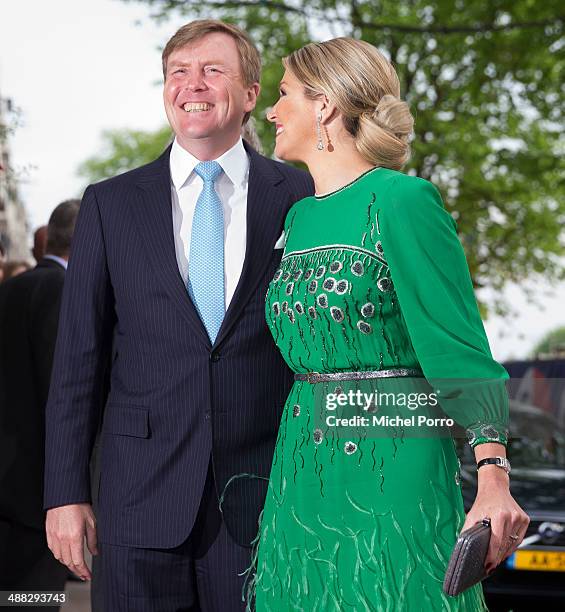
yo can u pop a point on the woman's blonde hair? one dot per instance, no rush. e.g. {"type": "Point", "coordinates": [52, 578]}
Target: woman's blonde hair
{"type": "Point", "coordinates": [364, 86]}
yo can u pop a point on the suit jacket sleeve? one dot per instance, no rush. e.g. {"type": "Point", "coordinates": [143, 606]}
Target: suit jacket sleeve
{"type": "Point", "coordinates": [82, 355]}
{"type": "Point", "coordinates": [44, 316]}
{"type": "Point", "coordinates": [431, 278]}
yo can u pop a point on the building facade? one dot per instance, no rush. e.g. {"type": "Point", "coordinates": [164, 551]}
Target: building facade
{"type": "Point", "coordinates": [14, 224]}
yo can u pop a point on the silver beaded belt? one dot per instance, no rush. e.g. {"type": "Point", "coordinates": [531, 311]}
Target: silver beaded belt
{"type": "Point", "coordinates": [316, 377]}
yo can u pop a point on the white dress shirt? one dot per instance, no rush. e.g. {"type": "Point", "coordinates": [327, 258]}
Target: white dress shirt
{"type": "Point", "coordinates": [231, 187]}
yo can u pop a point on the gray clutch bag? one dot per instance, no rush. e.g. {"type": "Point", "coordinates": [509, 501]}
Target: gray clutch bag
{"type": "Point", "coordinates": [467, 563]}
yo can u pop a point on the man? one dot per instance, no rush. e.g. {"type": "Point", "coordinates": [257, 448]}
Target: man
{"type": "Point", "coordinates": [2, 260]}
{"type": "Point", "coordinates": [171, 261]}
{"type": "Point", "coordinates": [39, 243]}
{"type": "Point", "coordinates": [15, 267]}
{"type": "Point", "coordinates": [29, 313]}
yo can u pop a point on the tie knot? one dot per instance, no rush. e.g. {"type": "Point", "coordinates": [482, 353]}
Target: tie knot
{"type": "Point", "coordinates": [208, 171]}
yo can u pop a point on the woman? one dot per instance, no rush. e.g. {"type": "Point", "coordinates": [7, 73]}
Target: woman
{"type": "Point", "coordinates": [372, 279]}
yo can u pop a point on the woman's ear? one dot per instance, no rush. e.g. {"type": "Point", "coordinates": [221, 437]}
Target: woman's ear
{"type": "Point", "coordinates": [328, 109]}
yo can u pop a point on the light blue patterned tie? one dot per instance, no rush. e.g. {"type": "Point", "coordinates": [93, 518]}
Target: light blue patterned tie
{"type": "Point", "coordinates": [206, 260]}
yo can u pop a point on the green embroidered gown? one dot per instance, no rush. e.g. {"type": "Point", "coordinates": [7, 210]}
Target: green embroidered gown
{"type": "Point", "coordinates": [372, 277]}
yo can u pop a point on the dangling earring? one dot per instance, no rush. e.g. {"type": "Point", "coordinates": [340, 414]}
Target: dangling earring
{"type": "Point", "coordinates": [330, 145]}
{"type": "Point", "coordinates": [319, 132]}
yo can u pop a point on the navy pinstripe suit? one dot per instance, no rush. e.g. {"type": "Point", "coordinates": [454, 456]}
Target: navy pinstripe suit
{"type": "Point", "coordinates": [130, 341]}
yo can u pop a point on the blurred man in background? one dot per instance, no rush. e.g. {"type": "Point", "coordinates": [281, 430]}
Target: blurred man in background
{"type": "Point", "coordinates": [15, 267]}
{"type": "Point", "coordinates": [29, 314]}
{"type": "Point", "coordinates": [2, 260]}
{"type": "Point", "coordinates": [39, 243]}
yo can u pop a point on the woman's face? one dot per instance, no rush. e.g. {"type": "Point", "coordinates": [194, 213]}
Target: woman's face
{"type": "Point", "coordinates": [294, 116]}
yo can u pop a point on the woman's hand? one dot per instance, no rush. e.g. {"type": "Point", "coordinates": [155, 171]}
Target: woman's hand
{"type": "Point", "coordinates": [495, 502]}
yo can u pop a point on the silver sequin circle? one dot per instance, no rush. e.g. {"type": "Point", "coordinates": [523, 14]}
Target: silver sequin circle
{"type": "Point", "coordinates": [341, 287]}
{"type": "Point", "coordinates": [358, 268]}
{"type": "Point", "coordinates": [322, 300]}
{"type": "Point", "coordinates": [335, 266]}
{"type": "Point", "coordinates": [299, 308]}
{"type": "Point", "coordinates": [384, 284]}
{"type": "Point", "coordinates": [368, 310]}
{"type": "Point", "coordinates": [488, 431]}
{"type": "Point", "coordinates": [337, 314]}
{"type": "Point", "coordinates": [320, 271]}
{"type": "Point", "coordinates": [329, 284]}
{"type": "Point", "coordinates": [318, 435]}
{"type": "Point", "coordinates": [313, 286]}
{"type": "Point", "coordinates": [312, 312]}
{"type": "Point", "coordinates": [296, 410]}
{"type": "Point", "coordinates": [350, 448]}
{"type": "Point", "coordinates": [364, 327]}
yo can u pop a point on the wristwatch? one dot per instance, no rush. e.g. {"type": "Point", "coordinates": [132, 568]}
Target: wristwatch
{"type": "Point", "coordinates": [501, 462]}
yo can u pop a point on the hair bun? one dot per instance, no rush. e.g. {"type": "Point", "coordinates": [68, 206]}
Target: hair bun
{"type": "Point", "coordinates": [384, 133]}
{"type": "Point", "coordinates": [393, 114]}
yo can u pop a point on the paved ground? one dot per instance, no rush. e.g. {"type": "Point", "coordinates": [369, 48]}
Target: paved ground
{"type": "Point", "coordinates": [78, 593]}
{"type": "Point", "coordinates": [78, 597]}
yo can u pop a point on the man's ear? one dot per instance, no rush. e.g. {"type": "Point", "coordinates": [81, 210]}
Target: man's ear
{"type": "Point", "coordinates": [252, 95]}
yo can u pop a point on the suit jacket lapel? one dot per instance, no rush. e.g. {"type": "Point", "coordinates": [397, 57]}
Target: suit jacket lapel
{"type": "Point", "coordinates": [267, 205]}
{"type": "Point", "coordinates": [152, 212]}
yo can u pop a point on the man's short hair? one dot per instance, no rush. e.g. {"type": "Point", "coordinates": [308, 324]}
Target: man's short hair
{"type": "Point", "coordinates": [249, 57]}
{"type": "Point", "coordinates": [61, 227]}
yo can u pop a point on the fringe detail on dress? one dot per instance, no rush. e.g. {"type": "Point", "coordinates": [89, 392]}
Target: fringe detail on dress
{"type": "Point", "coordinates": [250, 573]}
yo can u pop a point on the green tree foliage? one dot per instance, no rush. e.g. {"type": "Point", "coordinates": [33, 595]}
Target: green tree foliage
{"type": "Point", "coordinates": [552, 343]}
{"type": "Point", "coordinates": [485, 84]}
{"type": "Point", "coordinates": [124, 150]}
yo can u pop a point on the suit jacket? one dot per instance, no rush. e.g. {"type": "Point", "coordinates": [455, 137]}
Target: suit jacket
{"type": "Point", "coordinates": [29, 314]}
{"type": "Point", "coordinates": [171, 400]}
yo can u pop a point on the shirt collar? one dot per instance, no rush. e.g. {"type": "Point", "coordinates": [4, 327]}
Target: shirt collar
{"type": "Point", "coordinates": [59, 260]}
{"type": "Point", "coordinates": [234, 162]}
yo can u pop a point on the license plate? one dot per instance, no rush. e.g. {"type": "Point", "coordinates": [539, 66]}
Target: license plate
{"type": "Point", "coordinates": [547, 561]}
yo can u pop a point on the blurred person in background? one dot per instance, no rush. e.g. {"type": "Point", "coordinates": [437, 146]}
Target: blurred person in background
{"type": "Point", "coordinates": [39, 243]}
{"type": "Point", "coordinates": [29, 313]}
{"type": "Point", "coordinates": [14, 268]}
{"type": "Point", "coordinates": [2, 260]}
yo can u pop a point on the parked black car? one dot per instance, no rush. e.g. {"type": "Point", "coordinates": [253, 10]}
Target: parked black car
{"type": "Point", "coordinates": [535, 574]}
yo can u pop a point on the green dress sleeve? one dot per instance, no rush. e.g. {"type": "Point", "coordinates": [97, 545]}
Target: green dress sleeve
{"type": "Point", "coordinates": [431, 278]}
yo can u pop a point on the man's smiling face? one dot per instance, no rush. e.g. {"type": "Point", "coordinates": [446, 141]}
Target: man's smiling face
{"type": "Point", "coordinates": [204, 93]}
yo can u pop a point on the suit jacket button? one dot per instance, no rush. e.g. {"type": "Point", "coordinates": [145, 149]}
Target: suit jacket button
{"type": "Point", "coordinates": [214, 357]}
